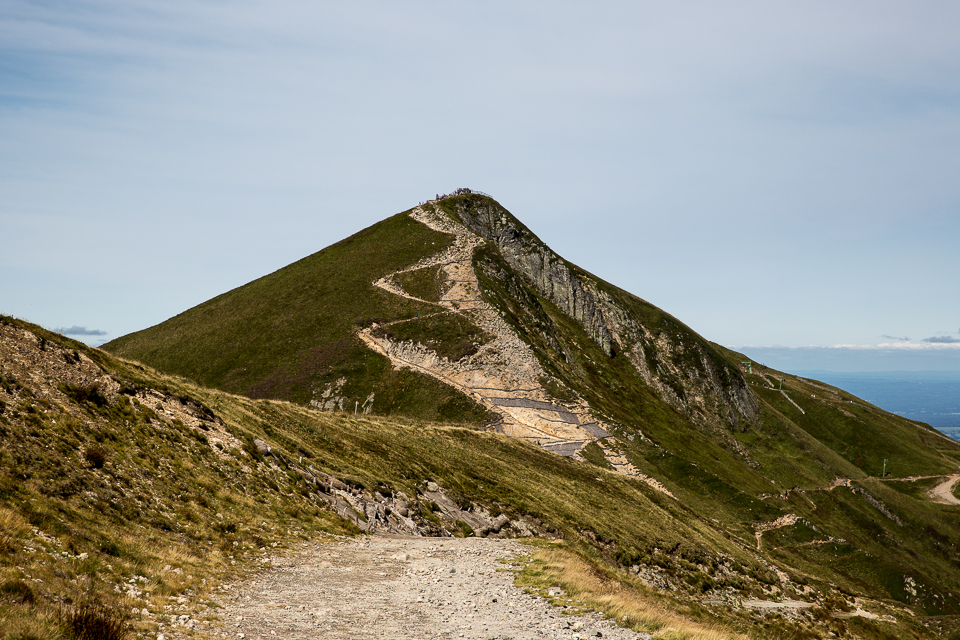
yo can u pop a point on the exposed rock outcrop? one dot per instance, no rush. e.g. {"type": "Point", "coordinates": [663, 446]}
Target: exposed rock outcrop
{"type": "Point", "coordinates": [504, 373]}
{"type": "Point", "coordinates": [432, 512]}
{"type": "Point", "coordinates": [683, 368]}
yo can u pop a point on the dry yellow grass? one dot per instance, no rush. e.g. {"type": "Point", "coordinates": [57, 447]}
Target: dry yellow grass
{"type": "Point", "coordinates": [631, 605]}
{"type": "Point", "coordinates": [33, 624]}
{"type": "Point", "coordinates": [13, 526]}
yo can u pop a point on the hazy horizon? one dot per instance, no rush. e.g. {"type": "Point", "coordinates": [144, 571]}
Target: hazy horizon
{"type": "Point", "coordinates": [842, 359]}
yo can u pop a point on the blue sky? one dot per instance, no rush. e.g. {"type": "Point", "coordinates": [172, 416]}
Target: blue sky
{"type": "Point", "coordinates": [773, 174]}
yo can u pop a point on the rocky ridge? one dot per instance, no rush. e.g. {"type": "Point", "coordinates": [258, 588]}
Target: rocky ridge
{"type": "Point", "coordinates": [431, 513]}
{"type": "Point", "coordinates": [504, 374]}
{"type": "Point", "coordinates": [684, 373]}
{"type": "Point", "coordinates": [58, 374]}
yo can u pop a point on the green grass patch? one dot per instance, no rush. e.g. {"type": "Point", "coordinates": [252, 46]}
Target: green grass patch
{"type": "Point", "coordinates": [450, 335]}
{"type": "Point", "coordinates": [426, 284]}
{"type": "Point", "coordinates": [290, 333]}
{"type": "Point", "coordinates": [557, 389]}
{"type": "Point", "coordinates": [592, 453]}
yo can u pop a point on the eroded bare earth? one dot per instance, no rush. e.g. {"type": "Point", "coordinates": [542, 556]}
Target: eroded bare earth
{"type": "Point", "coordinates": [401, 588]}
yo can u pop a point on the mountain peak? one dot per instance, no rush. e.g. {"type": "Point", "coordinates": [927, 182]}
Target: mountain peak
{"type": "Point", "coordinates": [455, 312]}
{"type": "Point", "coordinates": [462, 300]}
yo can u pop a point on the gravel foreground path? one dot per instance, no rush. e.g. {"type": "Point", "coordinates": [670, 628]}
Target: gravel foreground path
{"type": "Point", "coordinates": [402, 588]}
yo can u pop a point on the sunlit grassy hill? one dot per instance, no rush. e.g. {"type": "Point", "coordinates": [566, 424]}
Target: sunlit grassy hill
{"type": "Point", "coordinates": [125, 490]}
{"type": "Point", "coordinates": [791, 488]}
{"type": "Point", "coordinates": [290, 333]}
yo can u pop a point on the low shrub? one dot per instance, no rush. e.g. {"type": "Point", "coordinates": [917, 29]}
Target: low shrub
{"type": "Point", "coordinates": [95, 622]}
{"type": "Point", "coordinates": [17, 591]}
{"type": "Point", "coordinates": [96, 456]}
{"type": "Point", "coordinates": [85, 394]}
{"type": "Point", "coordinates": [110, 548]}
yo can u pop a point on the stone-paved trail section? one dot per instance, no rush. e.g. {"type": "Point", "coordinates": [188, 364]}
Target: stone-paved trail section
{"type": "Point", "coordinates": [401, 588]}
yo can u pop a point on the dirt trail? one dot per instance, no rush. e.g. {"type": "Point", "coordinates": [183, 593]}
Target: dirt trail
{"type": "Point", "coordinates": [777, 604]}
{"type": "Point", "coordinates": [798, 605]}
{"type": "Point", "coordinates": [782, 392]}
{"type": "Point", "coordinates": [398, 588]}
{"type": "Point", "coordinates": [943, 492]}
{"type": "Point", "coordinates": [621, 465]}
{"type": "Point", "coordinates": [502, 370]}
{"type": "Point", "coordinates": [504, 375]}
{"type": "Point", "coordinates": [783, 521]}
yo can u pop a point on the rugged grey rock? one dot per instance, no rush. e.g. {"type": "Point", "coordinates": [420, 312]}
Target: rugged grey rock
{"type": "Point", "coordinates": [401, 514]}
{"type": "Point", "coordinates": [686, 372]}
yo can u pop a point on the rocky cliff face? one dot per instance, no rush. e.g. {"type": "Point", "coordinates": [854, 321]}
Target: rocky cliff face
{"type": "Point", "coordinates": [549, 273]}
{"type": "Point", "coordinates": [684, 369]}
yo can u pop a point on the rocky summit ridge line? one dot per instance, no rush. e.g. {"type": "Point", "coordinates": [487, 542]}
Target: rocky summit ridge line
{"type": "Point", "coordinates": [710, 383]}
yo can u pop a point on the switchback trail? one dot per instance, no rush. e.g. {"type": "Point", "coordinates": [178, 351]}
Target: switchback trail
{"type": "Point", "coordinates": [399, 588]}
{"type": "Point", "coordinates": [503, 369]}
{"type": "Point", "coordinates": [504, 375]}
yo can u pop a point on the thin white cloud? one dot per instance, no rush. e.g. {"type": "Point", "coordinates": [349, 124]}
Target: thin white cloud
{"type": "Point", "coordinates": [897, 346]}
{"type": "Point", "coordinates": [906, 346]}
{"type": "Point", "coordinates": [80, 331]}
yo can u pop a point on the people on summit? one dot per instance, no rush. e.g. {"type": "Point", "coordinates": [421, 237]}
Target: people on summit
{"type": "Point", "coordinates": [462, 191]}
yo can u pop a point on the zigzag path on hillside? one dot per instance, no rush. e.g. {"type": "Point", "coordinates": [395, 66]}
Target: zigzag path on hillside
{"type": "Point", "coordinates": [942, 494]}
{"type": "Point", "coordinates": [504, 374]}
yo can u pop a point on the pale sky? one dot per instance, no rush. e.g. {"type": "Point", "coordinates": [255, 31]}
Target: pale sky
{"type": "Point", "coordinates": [775, 174]}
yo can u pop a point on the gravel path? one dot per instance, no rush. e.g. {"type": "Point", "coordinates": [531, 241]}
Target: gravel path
{"type": "Point", "coordinates": [943, 492]}
{"type": "Point", "coordinates": [504, 363]}
{"type": "Point", "coordinates": [399, 588]}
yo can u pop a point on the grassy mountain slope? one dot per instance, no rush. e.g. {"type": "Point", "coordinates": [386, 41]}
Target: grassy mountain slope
{"type": "Point", "coordinates": [123, 490]}
{"type": "Point", "coordinates": [290, 334]}
{"type": "Point", "coordinates": [789, 477]}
